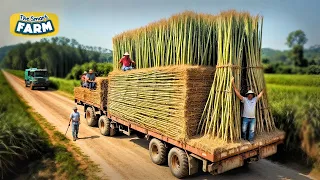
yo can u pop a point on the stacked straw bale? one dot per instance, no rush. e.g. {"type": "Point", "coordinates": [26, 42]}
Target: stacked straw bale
{"type": "Point", "coordinates": [97, 97]}
{"type": "Point", "coordinates": [169, 99]}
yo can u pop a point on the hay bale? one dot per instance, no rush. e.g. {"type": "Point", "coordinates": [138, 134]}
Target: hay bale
{"type": "Point", "coordinates": [169, 99]}
{"type": "Point", "coordinates": [97, 97]}
{"type": "Point", "coordinates": [214, 145]}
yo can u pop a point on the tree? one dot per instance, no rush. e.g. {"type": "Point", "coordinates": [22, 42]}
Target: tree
{"type": "Point", "coordinates": [296, 38]}
{"type": "Point", "coordinates": [296, 56]}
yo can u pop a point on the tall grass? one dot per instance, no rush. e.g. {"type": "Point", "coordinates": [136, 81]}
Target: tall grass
{"type": "Point", "coordinates": [18, 73]}
{"type": "Point", "coordinates": [63, 84]}
{"type": "Point", "coordinates": [297, 111]}
{"type": "Point", "coordinates": [21, 137]}
{"type": "Point", "coordinates": [293, 80]}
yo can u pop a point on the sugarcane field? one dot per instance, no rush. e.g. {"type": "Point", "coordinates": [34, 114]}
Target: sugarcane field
{"type": "Point", "coordinates": [160, 90]}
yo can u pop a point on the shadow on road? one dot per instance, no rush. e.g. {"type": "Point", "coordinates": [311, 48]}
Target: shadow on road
{"type": "Point", "coordinates": [141, 142]}
{"type": "Point", "coordinates": [90, 137]}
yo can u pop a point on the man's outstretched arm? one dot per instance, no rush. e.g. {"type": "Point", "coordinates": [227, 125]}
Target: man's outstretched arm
{"type": "Point", "coordinates": [261, 94]}
{"type": "Point", "coordinates": [236, 90]}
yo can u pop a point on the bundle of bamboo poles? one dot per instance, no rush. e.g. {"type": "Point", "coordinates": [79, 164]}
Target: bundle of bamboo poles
{"type": "Point", "coordinates": [231, 41]}
{"type": "Point", "coordinates": [96, 97]}
{"type": "Point", "coordinates": [186, 38]}
{"type": "Point", "coordinates": [221, 116]}
{"type": "Point", "coordinates": [169, 100]}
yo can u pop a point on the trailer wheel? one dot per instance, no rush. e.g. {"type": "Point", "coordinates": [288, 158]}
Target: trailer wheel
{"type": "Point", "coordinates": [90, 117]}
{"type": "Point", "coordinates": [104, 125]}
{"type": "Point", "coordinates": [157, 151]}
{"type": "Point", "coordinates": [178, 163]}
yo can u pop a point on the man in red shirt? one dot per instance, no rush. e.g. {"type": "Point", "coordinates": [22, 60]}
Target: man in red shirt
{"type": "Point", "coordinates": [83, 79]}
{"type": "Point", "coordinates": [126, 62]}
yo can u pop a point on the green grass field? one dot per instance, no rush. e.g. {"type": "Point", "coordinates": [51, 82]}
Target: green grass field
{"type": "Point", "coordinates": [24, 145]}
{"type": "Point", "coordinates": [293, 79]}
{"type": "Point", "coordinates": [295, 104]}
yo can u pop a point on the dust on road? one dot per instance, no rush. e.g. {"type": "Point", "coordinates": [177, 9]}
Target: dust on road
{"type": "Point", "coordinates": [123, 157]}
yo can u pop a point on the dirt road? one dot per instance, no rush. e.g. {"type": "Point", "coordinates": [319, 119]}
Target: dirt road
{"type": "Point", "coordinates": [125, 157]}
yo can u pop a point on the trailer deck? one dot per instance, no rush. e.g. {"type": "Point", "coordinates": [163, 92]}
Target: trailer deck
{"type": "Point", "coordinates": [207, 148]}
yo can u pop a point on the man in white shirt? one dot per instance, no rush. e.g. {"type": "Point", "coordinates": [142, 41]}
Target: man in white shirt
{"type": "Point", "coordinates": [249, 110]}
{"type": "Point", "coordinates": [75, 118]}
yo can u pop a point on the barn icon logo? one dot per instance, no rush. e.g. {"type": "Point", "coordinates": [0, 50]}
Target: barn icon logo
{"type": "Point", "coordinates": [34, 24]}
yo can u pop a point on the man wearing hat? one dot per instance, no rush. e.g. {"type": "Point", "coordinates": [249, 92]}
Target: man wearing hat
{"type": "Point", "coordinates": [83, 79]}
{"type": "Point", "coordinates": [249, 110]}
{"type": "Point", "coordinates": [75, 118]}
{"type": "Point", "coordinates": [126, 62]}
{"type": "Point", "coordinates": [91, 79]}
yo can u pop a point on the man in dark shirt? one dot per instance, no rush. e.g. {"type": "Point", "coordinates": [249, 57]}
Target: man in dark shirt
{"type": "Point", "coordinates": [126, 62]}
{"type": "Point", "coordinates": [91, 79]}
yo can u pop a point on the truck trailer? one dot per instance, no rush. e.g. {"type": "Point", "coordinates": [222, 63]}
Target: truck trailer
{"type": "Point", "coordinates": [184, 158]}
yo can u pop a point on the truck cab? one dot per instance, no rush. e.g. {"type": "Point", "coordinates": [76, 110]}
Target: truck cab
{"type": "Point", "coordinates": [34, 77]}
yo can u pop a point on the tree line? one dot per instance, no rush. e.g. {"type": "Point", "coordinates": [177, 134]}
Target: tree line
{"type": "Point", "coordinates": [58, 55]}
{"type": "Point", "coordinates": [296, 60]}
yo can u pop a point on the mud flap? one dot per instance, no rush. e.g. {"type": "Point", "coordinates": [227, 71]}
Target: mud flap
{"type": "Point", "coordinates": [193, 165]}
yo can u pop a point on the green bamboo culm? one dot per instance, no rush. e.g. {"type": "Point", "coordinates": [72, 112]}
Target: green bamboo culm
{"type": "Point", "coordinates": [221, 115]}
{"type": "Point", "coordinates": [255, 76]}
{"type": "Point", "coordinates": [183, 39]}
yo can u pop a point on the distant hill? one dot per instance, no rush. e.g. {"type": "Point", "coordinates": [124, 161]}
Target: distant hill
{"type": "Point", "coordinates": [274, 55]}
{"type": "Point", "coordinates": [4, 50]}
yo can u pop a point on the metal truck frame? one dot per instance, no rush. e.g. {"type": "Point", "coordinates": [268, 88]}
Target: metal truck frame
{"type": "Point", "coordinates": [183, 159]}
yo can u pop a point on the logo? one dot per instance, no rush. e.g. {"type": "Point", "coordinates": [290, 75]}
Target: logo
{"type": "Point", "coordinates": [34, 24]}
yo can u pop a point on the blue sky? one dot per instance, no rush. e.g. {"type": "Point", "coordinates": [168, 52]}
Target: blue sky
{"type": "Point", "coordinates": [95, 22]}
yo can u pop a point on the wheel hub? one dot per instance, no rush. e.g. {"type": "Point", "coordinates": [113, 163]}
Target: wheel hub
{"type": "Point", "coordinates": [154, 150]}
{"type": "Point", "coordinates": [175, 162]}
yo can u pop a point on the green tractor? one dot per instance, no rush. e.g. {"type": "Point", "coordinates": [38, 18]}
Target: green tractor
{"type": "Point", "coordinates": [34, 77]}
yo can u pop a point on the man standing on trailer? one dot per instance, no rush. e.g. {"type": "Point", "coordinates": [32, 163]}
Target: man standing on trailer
{"type": "Point", "coordinates": [75, 118]}
{"type": "Point", "coordinates": [126, 62]}
{"type": "Point", "coordinates": [249, 110]}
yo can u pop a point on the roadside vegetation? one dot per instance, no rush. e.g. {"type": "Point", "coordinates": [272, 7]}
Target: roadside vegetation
{"type": "Point", "coordinates": [30, 148]}
{"type": "Point", "coordinates": [295, 104]}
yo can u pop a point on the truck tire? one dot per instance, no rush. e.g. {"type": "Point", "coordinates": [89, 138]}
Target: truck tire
{"type": "Point", "coordinates": [104, 125]}
{"type": "Point", "coordinates": [140, 134]}
{"type": "Point", "coordinates": [46, 88]}
{"type": "Point", "coordinates": [178, 162]}
{"type": "Point", "coordinates": [31, 86]}
{"type": "Point", "coordinates": [90, 117]}
{"type": "Point", "coordinates": [157, 151]}
{"type": "Point", "coordinates": [25, 82]}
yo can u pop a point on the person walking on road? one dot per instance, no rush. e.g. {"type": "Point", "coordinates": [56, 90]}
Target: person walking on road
{"type": "Point", "coordinates": [75, 118]}
{"type": "Point", "coordinates": [248, 114]}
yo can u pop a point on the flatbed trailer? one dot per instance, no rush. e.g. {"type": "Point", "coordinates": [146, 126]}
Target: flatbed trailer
{"type": "Point", "coordinates": [183, 159]}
